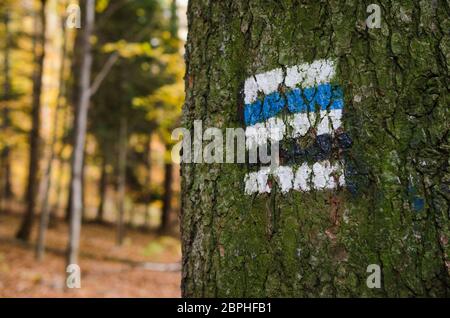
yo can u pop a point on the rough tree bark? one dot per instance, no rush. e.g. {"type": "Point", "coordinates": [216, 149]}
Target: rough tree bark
{"type": "Point", "coordinates": [80, 134]}
{"type": "Point", "coordinates": [28, 219]}
{"type": "Point", "coordinates": [394, 211]}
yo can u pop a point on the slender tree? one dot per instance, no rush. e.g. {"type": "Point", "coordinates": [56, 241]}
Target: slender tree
{"type": "Point", "coordinates": [103, 183]}
{"type": "Point", "coordinates": [47, 175]}
{"type": "Point", "coordinates": [5, 161]}
{"type": "Point", "coordinates": [173, 24]}
{"type": "Point", "coordinates": [76, 188]}
{"type": "Point", "coordinates": [168, 166]}
{"type": "Point", "coordinates": [28, 219]}
{"type": "Point", "coordinates": [391, 214]}
{"type": "Point", "coordinates": [63, 162]}
{"type": "Point", "coordinates": [148, 180]}
{"type": "Point", "coordinates": [74, 95]}
{"type": "Point", "coordinates": [123, 149]}
{"type": "Point", "coordinates": [167, 198]}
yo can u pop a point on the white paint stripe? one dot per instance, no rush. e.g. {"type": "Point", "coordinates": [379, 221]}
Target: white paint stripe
{"type": "Point", "coordinates": [273, 129]}
{"type": "Point", "coordinates": [268, 82]}
{"type": "Point", "coordinates": [304, 75]}
{"type": "Point", "coordinates": [297, 125]}
{"type": "Point", "coordinates": [300, 124]}
{"type": "Point", "coordinates": [251, 90]}
{"type": "Point", "coordinates": [285, 178]}
{"type": "Point", "coordinates": [321, 176]}
{"type": "Point", "coordinates": [256, 182]}
{"type": "Point", "coordinates": [302, 178]}
{"type": "Point", "coordinates": [329, 121]}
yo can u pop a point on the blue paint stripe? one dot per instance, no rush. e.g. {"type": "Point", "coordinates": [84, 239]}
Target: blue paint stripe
{"type": "Point", "coordinates": [296, 100]}
{"type": "Point", "coordinates": [273, 104]}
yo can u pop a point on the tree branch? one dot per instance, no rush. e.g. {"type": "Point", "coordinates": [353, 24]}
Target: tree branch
{"type": "Point", "coordinates": [104, 72]}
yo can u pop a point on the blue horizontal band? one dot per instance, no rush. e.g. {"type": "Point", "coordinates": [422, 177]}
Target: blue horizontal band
{"type": "Point", "coordinates": [326, 96]}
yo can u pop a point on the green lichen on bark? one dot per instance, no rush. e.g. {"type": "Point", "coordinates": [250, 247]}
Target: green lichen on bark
{"type": "Point", "coordinates": [396, 89]}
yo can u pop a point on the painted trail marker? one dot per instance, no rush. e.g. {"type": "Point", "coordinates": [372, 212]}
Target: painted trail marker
{"type": "Point", "coordinates": [285, 104]}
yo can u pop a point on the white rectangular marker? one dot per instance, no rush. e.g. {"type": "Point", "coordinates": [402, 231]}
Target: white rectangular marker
{"type": "Point", "coordinates": [295, 125]}
{"type": "Point", "coordinates": [305, 75]}
{"type": "Point", "coordinates": [320, 176]}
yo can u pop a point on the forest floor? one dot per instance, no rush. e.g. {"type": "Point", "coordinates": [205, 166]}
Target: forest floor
{"type": "Point", "coordinates": [107, 270]}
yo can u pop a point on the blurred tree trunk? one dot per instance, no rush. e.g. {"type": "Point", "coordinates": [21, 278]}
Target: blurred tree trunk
{"type": "Point", "coordinates": [123, 147]}
{"type": "Point", "coordinates": [69, 199]}
{"type": "Point", "coordinates": [5, 166]}
{"type": "Point", "coordinates": [83, 188]}
{"type": "Point", "coordinates": [173, 25]}
{"type": "Point", "coordinates": [167, 198]}
{"type": "Point", "coordinates": [102, 191]}
{"type": "Point", "coordinates": [148, 180]}
{"type": "Point", "coordinates": [59, 203]}
{"type": "Point", "coordinates": [62, 165]}
{"type": "Point", "coordinates": [164, 225]}
{"type": "Point", "coordinates": [47, 176]}
{"type": "Point", "coordinates": [132, 216]}
{"type": "Point", "coordinates": [393, 211]}
{"type": "Point", "coordinates": [28, 219]}
{"type": "Point", "coordinates": [74, 95]}
{"type": "Point", "coordinates": [83, 196]}
{"type": "Point", "coordinates": [80, 134]}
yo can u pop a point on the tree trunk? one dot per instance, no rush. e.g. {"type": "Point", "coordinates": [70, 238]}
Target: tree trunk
{"type": "Point", "coordinates": [6, 192]}
{"type": "Point", "coordinates": [148, 180]}
{"type": "Point", "coordinates": [63, 163]}
{"type": "Point", "coordinates": [392, 209]}
{"type": "Point", "coordinates": [69, 198]}
{"type": "Point", "coordinates": [167, 199]}
{"type": "Point", "coordinates": [80, 135]}
{"type": "Point", "coordinates": [5, 172]}
{"type": "Point", "coordinates": [74, 95]}
{"type": "Point", "coordinates": [173, 25]}
{"type": "Point", "coordinates": [47, 177]}
{"type": "Point", "coordinates": [28, 219]}
{"type": "Point", "coordinates": [132, 216]}
{"type": "Point", "coordinates": [122, 180]}
{"type": "Point", "coordinates": [59, 203]}
{"type": "Point", "coordinates": [83, 187]}
{"type": "Point", "coordinates": [102, 192]}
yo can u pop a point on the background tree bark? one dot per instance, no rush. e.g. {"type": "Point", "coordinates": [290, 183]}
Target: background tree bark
{"type": "Point", "coordinates": [28, 219]}
{"type": "Point", "coordinates": [122, 179]}
{"type": "Point", "coordinates": [74, 95]}
{"type": "Point", "coordinates": [395, 82]}
{"type": "Point", "coordinates": [102, 191]}
{"type": "Point", "coordinates": [5, 161]}
{"type": "Point", "coordinates": [47, 176]}
{"type": "Point", "coordinates": [148, 180]}
{"type": "Point", "coordinates": [167, 198]}
{"type": "Point", "coordinates": [76, 188]}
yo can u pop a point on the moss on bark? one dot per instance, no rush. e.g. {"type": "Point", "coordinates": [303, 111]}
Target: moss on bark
{"type": "Point", "coordinates": [395, 211]}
